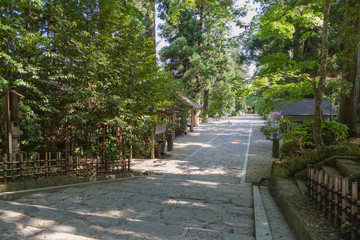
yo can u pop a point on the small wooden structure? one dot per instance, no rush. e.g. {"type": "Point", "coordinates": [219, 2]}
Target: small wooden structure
{"type": "Point", "coordinates": [168, 117]}
{"type": "Point", "coordinates": [303, 110]}
{"type": "Point", "coordinates": [193, 108]}
{"type": "Point", "coordinates": [10, 109]}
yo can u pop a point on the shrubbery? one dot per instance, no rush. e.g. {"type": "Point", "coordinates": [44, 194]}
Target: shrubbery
{"type": "Point", "coordinates": [298, 149]}
{"type": "Point", "coordinates": [300, 138]}
{"type": "Point", "coordinates": [293, 164]}
{"type": "Point", "coordinates": [277, 128]}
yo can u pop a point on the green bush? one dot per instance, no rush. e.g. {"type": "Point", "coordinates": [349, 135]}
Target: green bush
{"type": "Point", "coordinates": [334, 132]}
{"type": "Point", "coordinates": [301, 138]}
{"type": "Point", "coordinates": [295, 142]}
{"type": "Point", "coordinates": [277, 128]}
{"type": "Point", "coordinates": [295, 164]}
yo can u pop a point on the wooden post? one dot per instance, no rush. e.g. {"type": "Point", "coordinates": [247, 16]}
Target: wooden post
{"type": "Point", "coordinates": [77, 165]}
{"type": "Point", "coordinates": [173, 121]}
{"type": "Point", "coordinates": [316, 178]}
{"type": "Point", "coordinates": [71, 163]}
{"type": "Point", "coordinates": [354, 210]}
{"type": "Point", "coordinates": [192, 120]}
{"type": "Point", "coordinates": [319, 190]}
{"type": "Point", "coordinates": [325, 194]}
{"type": "Point", "coordinates": [152, 152]}
{"type": "Point", "coordinates": [35, 165]}
{"type": "Point", "coordinates": [85, 165]}
{"type": "Point", "coordinates": [19, 159]}
{"type": "Point", "coordinates": [131, 154]}
{"type": "Point", "coordinates": [336, 210]}
{"type": "Point", "coordinates": [67, 163]}
{"type": "Point", "coordinates": [58, 165]}
{"type": "Point", "coordinates": [8, 124]}
{"type": "Point", "coordinates": [46, 164]}
{"type": "Point", "coordinates": [50, 163]}
{"type": "Point", "coordinates": [6, 159]}
{"type": "Point", "coordinates": [344, 192]}
{"type": "Point", "coordinates": [120, 142]}
{"type": "Point", "coordinates": [331, 198]}
{"type": "Point", "coordinates": [103, 152]}
{"type": "Point", "coordinates": [92, 164]}
{"type": "Point", "coordinates": [312, 176]}
{"type": "Point", "coordinates": [98, 159]}
{"type": "Point", "coordinates": [186, 126]}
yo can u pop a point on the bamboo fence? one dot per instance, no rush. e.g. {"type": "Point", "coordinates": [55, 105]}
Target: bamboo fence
{"type": "Point", "coordinates": [337, 198]}
{"type": "Point", "coordinates": [23, 167]}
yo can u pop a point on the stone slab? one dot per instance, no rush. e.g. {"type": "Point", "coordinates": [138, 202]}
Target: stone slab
{"type": "Point", "coordinates": [262, 229]}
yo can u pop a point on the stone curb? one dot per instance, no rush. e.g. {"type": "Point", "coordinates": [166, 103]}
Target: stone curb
{"type": "Point", "coordinates": [284, 192]}
{"type": "Point", "coordinates": [262, 230]}
{"type": "Point", "coordinates": [59, 183]}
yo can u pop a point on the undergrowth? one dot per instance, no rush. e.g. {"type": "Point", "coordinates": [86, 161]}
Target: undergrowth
{"type": "Point", "coordinates": [289, 165]}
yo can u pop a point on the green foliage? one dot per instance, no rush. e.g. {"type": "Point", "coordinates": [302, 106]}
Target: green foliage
{"type": "Point", "coordinates": [280, 171]}
{"type": "Point", "coordinates": [300, 138]}
{"type": "Point", "coordinates": [200, 53]}
{"type": "Point", "coordinates": [312, 156]}
{"type": "Point", "coordinates": [181, 115]}
{"type": "Point", "coordinates": [289, 165]}
{"type": "Point", "coordinates": [82, 65]}
{"type": "Point", "coordinates": [277, 128]}
{"type": "Point", "coordinates": [295, 142]}
{"type": "Point", "coordinates": [347, 226]}
{"type": "Point", "coordinates": [285, 40]}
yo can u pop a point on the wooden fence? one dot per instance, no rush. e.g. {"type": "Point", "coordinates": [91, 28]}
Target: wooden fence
{"type": "Point", "coordinates": [337, 198]}
{"type": "Point", "coordinates": [24, 167]}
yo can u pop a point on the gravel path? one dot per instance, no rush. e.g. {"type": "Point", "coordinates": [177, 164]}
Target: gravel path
{"type": "Point", "coordinates": [260, 158]}
{"type": "Point", "coordinates": [184, 146]}
{"type": "Point", "coordinates": [195, 193]}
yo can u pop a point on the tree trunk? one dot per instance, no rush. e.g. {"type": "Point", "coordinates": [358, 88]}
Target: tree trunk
{"type": "Point", "coordinates": [200, 44]}
{"type": "Point", "coordinates": [206, 105]}
{"type": "Point", "coordinates": [319, 90]}
{"type": "Point", "coordinates": [199, 77]}
{"type": "Point", "coordinates": [197, 114]}
{"type": "Point", "coordinates": [349, 100]}
{"type": "Point", "coordinates": [150, 19]}
{"type": "Point", "coordinates": [357, 90]}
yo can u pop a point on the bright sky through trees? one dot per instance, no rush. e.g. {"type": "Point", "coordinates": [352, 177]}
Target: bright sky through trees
{"type": "Point", "coordinates": [160, 43]}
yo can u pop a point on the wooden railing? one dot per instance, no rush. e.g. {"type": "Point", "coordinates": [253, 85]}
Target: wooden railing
{"type": "Point", "coordinates": [336, 200]}
{"type": "Point", "coordinates": [24, 167]}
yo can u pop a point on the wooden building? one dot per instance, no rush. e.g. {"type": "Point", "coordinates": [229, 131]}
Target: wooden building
{"type": "Point", "coordinates": [194, 108]}
{"type": "Point", "coordinates": [300, 111]}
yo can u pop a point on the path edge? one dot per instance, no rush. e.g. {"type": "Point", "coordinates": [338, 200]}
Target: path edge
{"type": "Point", "coordinates": [13, 195]}
{"type": "Point", "coordinates": [262, 229]}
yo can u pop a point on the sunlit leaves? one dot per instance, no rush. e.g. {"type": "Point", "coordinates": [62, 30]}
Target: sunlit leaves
{"type": "Point", "coordinates": [280, 21]}
{"type": "Point", "coordinates": [275, 24]}
{"type": "Point", "coordinates": [81, 63]}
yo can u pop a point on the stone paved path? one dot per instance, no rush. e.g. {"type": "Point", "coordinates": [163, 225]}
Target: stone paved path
{"type": "Point", "coordinates": [193, 196]}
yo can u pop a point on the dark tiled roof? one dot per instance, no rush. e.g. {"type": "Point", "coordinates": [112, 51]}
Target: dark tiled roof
{"type": "Point", "coordinates": [305, 107]}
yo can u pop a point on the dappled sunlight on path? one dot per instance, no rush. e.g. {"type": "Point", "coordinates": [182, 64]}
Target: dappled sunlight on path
{"type": "Point", "coordinates": [195, 193]}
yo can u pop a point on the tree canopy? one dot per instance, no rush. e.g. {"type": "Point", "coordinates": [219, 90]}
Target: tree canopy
{"type": "Point", "coordinates": [202, 55]}
{"type": "Point", "coordinates": [285, 40]}
{"type": "Point", "coordinates": [83, 64]}
{"type": "Point", "coordinates": [80, 64]}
